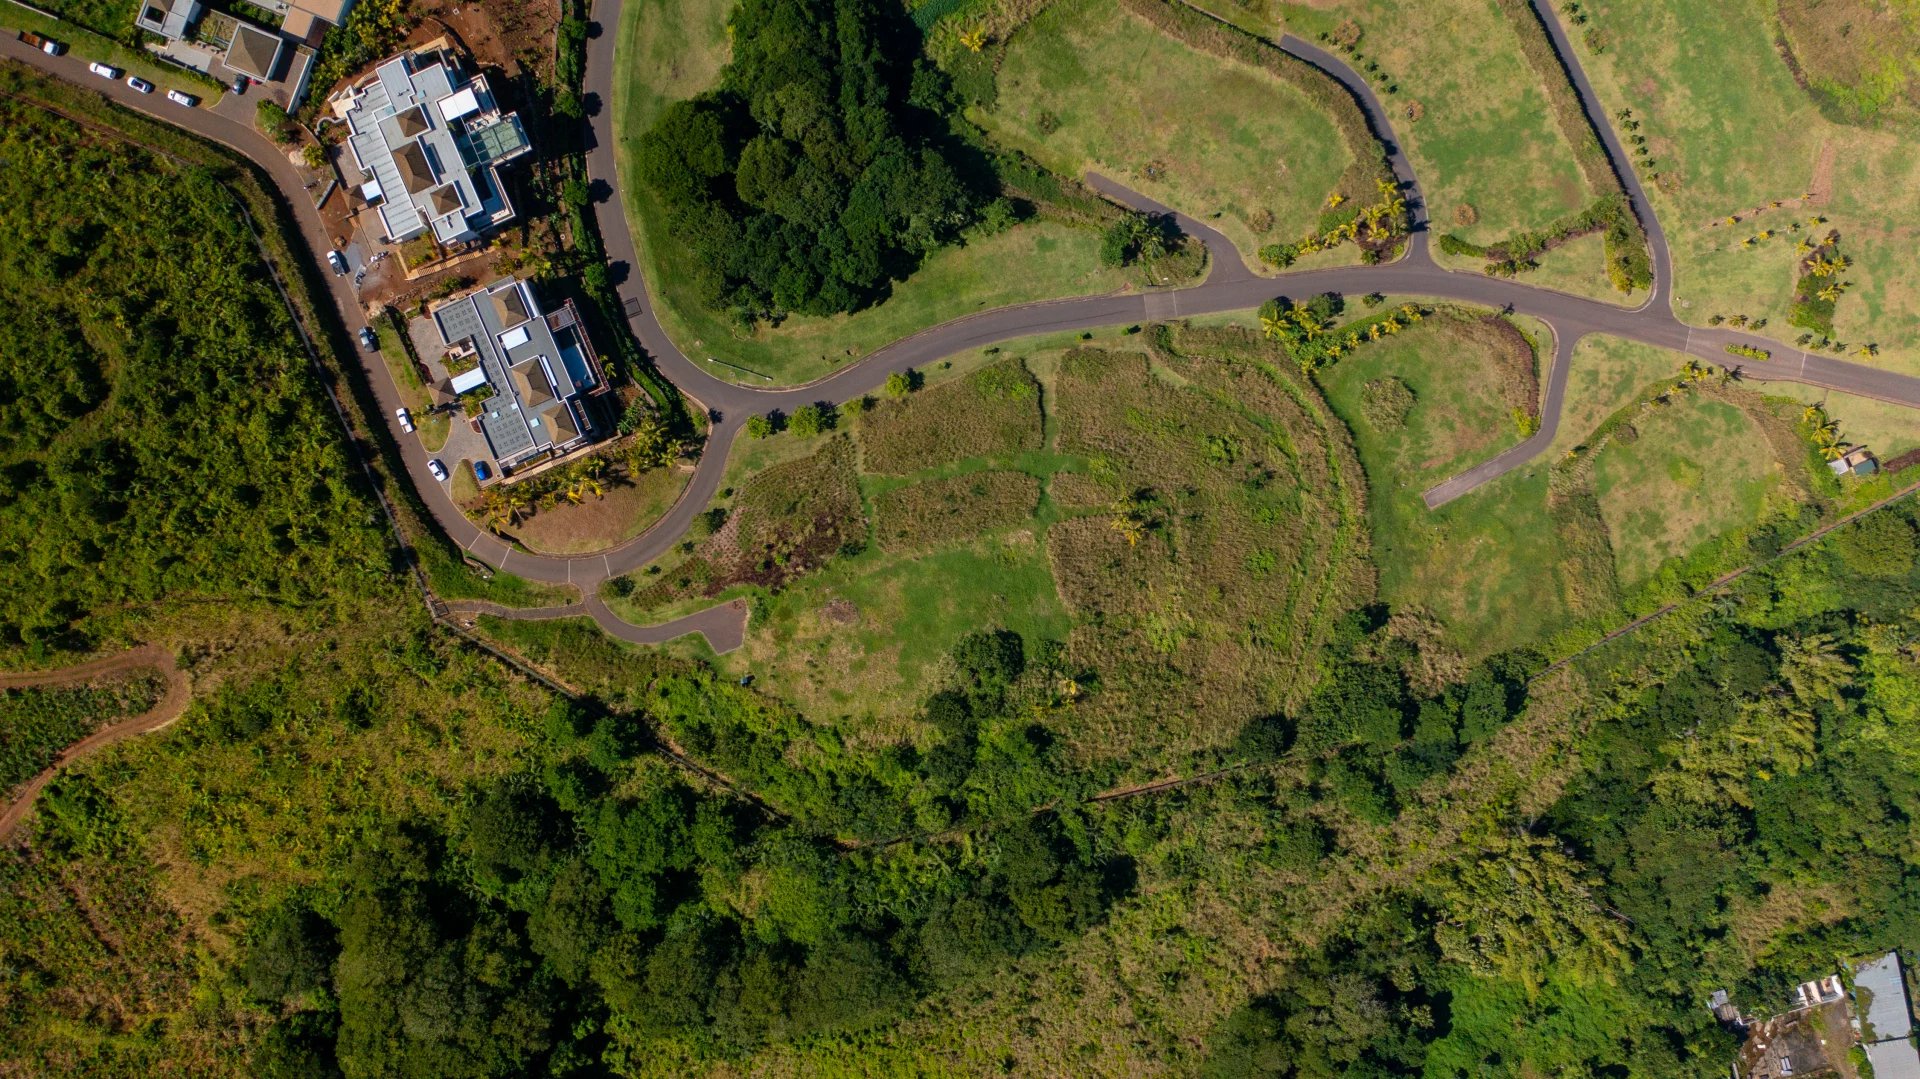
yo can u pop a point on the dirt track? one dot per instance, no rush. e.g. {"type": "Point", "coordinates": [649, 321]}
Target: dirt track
{"type": "Point", "coordinates": [146, 657]}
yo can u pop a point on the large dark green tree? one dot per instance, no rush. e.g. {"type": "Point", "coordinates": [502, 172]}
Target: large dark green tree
{"type": "Point", "coordinates": [812, 176]}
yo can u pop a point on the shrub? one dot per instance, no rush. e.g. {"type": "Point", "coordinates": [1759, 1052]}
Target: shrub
{"type": "Point", "coordinates": [898, 385]}
{"type": "Point", "coordinates": [1750, 352]}
{"type": "Point", "coordinates": [759, 426]}
{"type": "Point", "coordinates": [1386, 403]}
{"type": "Point", "coordinates": [273, 121]}
{"type": "Point", "coordinates": [810, 420]}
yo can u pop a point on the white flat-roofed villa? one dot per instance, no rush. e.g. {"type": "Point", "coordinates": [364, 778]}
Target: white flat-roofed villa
{"type": "Point", "coordinates": [540, 367]}
{"type": "Point", "coordinates": [429, 142]}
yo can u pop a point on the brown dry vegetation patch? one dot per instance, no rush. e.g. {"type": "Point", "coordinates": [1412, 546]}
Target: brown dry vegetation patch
{"type": "Point", "coordinates": [1245, 538]}
{"type": "Point", "coordinates": [995, 410]}
{"type": "Point", "coordinates": [789, 520]}
{"type": "Point", "coordinates": [925, 515]}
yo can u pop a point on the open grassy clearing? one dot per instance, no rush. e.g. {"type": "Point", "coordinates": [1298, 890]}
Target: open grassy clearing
{"type": "Point", "coordinates": [1466, 371]}
{"type": "Point", "coordinates": [1730, 133]}
{"type": "Point", "coordinates": [1858, 56]}
{"type": "Point", "coordinates": [1187, 525]}
{"type": "Point", "coordinates": [1490, 158]}
{"type": "Point", "coordinates": [674, 51]}
{"type": "Point", "coordinates": [1477, 564]}
{"type": "Point", "coordinates": [1693, 471]}
{"type": "Point", "coordinates": [1608, 374]}
{"type": "Point", "coordinates": [1088, 86]}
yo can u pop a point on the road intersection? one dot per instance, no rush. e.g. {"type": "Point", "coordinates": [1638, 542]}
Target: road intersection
{"type": "Point", "coordinates": [1230, 286]}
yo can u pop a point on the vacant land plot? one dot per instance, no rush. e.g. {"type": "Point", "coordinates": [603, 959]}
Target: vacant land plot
{"type": "Point", "coordinates": [1858, 56]}
{"type": "Point", "coordinates": [1694, 470]}
{"type": "Point", "coordinates": [1085, 85]}
{"type": "Point", "coordinates": [933, 513]}
{"type": "Point", "coordinates": [674, 51]}
{"type": "Point", "coordinates": [1488, 564]}
{"type": "Point", "coordinates": [1234, 536]}
{"type": "Point", "coordinates": [627, 508]}
{"type": "Point", "coordinates": [1467, 374]}
{"type": "Point", "coordinates": [785, 521]}
{"type": "Point", "coordinates": [1731, 133]}
{"type": "Point", "coordinates": [866, 638]}
{"type": "Point", "coordinates": [1490, 158]}
{"type": "Point", "coordinates": [992, 411]}
{"type": "Point", "coordinates": [1608, 374]}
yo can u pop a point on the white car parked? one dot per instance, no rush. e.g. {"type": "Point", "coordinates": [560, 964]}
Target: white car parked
{"type": "Point", "coordinates": [105, 71]}
{"type": "Point", "coordinates": [406, 421]}
{"type": "Point", "coordinates": [140, 84]}
{"type": "Point", "coordinates": [179, 98]}
{"type": "Point", "coordinates": [439, 470]}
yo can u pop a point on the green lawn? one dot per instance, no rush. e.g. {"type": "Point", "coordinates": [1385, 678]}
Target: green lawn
{"type": "Point", "coordinates": [1478, 563]}
{"type": "Point", "coordinates": [1730, 133]}
{"type": "Point", "coordinates": [1086, 86]}
{"type": "Point", "coordinates": [1490, 158]}
{"type": "Point", "coordinates": [1608, 374]}
{"type": "Point", "coordinates": [433, 427]}
{"type": "Point", "coordinates": [1697, 469]}
{"type": "Point", "coordinates": [674, 51]}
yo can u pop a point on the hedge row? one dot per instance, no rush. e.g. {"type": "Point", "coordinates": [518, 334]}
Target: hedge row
{"type": "Point", "coordinates": [1207, 34]}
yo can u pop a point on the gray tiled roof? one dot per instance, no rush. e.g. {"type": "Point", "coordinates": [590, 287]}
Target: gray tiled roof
{"type": "Point", "coordinates": [532, 386]}
{"type": "Point", "coordinates": [423, 160]}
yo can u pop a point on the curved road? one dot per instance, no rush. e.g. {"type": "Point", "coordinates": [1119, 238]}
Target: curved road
{"type": "Point", "coordinates": [1229, 287]}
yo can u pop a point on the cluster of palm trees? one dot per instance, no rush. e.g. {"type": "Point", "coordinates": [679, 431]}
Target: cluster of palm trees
{"type": "Point", "coordinates": [1311, 330]}
{"type": "Point", "coordinates": [1379, 221]}
{"type": "Point", "coordinates": [509, 504]}
{"type": "Point", "coordinates": [1825, 432]}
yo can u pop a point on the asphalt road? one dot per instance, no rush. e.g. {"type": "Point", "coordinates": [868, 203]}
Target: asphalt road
{"type": "Point", "coordinates": [1230, 286]}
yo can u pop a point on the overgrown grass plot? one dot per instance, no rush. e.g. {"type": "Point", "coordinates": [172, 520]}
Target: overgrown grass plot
{"type": "Point", "coordinates": [1231, 535]}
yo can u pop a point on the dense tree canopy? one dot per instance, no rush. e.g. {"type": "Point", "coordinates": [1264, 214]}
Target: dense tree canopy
{"type": "Point", "coordinates": [156, 411]}
{"type": "Point", "coordinates": [808, 179]}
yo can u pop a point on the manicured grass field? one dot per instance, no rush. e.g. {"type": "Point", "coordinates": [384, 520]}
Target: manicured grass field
{"type": "Point", "coordinates": [1485, 138]}
{"type": "Point", "coordinates": [1697, 469]}
{"type": "Point", "coordinates": [674, 51]}
{"type": "Point", "coordinates": [1085, 86]}
{"type": "Point", "coordinates": [1730, 133]}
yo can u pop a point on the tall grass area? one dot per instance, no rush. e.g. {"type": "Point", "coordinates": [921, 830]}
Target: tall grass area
{"type": "Point", "coordinates": [1472, 114]}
